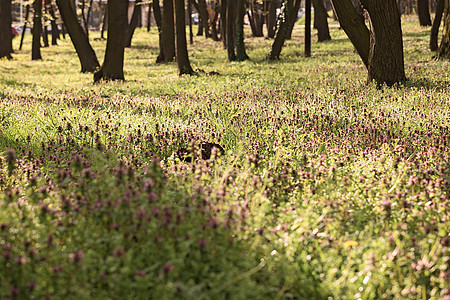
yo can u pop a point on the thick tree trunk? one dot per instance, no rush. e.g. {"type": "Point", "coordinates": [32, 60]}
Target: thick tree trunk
{"type": "Point", "coordinates": [272, 18]}
{"type": "Point", "coordinates": [436, 23]}
{"type": "Point", "coordinates": [354, 26]}
{"type": "Point", "coordinates": [184, 66]}
{"type": "Point", "coordinates": [223, 22]}
{"type": "Point", "coordinates": [241, 55]}
{"type": "Point", "coordinates": [168, 31]}
{"type": "Point", "coordinates": [282, 32]}
{"type": "Point", "coordinates": [112, 68]}
{"type": "Point", "coordinates": [386, 63]}
{"type": "Point", "coordinates": [444, 49]}
{"type": "Point", "coordinates": [424, 13]}
{"type": "Point", "coordinates": [37, 30]}
{"type": "Point", "coordinates": [320, 16]}
{"type": "Point", "coordinates": [133, 23]}
{"type": "Point", "coordinates": [231, 11]}
{"type": "Point", "coordinates": [5, 29]}
{"type": "Point", "coordinates": [86, 55]}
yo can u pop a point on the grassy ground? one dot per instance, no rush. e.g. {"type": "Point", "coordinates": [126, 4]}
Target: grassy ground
{"type": "Point", "coordinates": [329, 188]}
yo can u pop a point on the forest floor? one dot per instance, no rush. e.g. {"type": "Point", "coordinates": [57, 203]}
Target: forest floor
{"type": "Point", "coordinates": [329, 188]}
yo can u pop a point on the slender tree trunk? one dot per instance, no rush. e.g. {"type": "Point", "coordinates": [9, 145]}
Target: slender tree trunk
{"type": "Point", "coordinates": [293, 19]}
{"type": "Point", "coordinates": [231, 11]}
{"type": "Point", "coordinates": [45, 35]}
{"type": "Point", "coordinates": [251, 19]}
{"type": "Point", "coordinates": [55, 30]}
{"type": "Point", "coordinates": [386, 63]}
{"type": "Point", "coordinates": [88, 58]}
{"type": "Point", "coordinates": [149, 18]}
{"type": "Point", "coordinates": [214, 34]}
{"type": "Point", "coordinates": [320, 15]}
{"type": "Point", "coordinates": [204, 16]}
{"type": "Point", "coordinates": [37, 30]}
{"type": "Point", "coordinates": [24, 29]}
{"type": "Point", "coordinates": [354, 26]}
{"type": "Point", "coordinates": [282, 32]}
{"type": "Point", "coordinates": [191, 34]}
{"type": "Point", "coordinates": [158, 20]}
{"type": "Point", "coordinates": [133, 23]}
{"type": "Point", "coordinates": [168, 31]}
{"type": "Point", "coordinates": [223, 20]}
{"type": "Point", "coordinates": [184, 66]}
{"type": "Point", "coordinates": [5, 29]}
{"type": "Point", "coordinates": [307, 28]}
{"type": "Point", "coordinates": [104, 22]}
{"type": "Point", "coordinates": [241, 55]}
{"type": "Point", "coordinates": [272, 18]}
{"type": "Point", "coordinates": [424, 13]}
{"type": "Point", "coordinates": [88, 17]}
{"type": "Point", "coordinates": [112, 68]}
{"type": "Point", "coordinates": [436, 23]}
{"type": "Point", "coordinates": [444, 49]}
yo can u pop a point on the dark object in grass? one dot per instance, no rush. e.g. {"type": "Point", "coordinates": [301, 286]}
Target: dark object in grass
{"type": "Point", "coordinates": [206, 148]}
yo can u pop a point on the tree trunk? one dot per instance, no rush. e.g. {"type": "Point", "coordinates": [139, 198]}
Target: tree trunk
{"type": "Point", "coordinates": [307, 28]}
{"type": "Point", "coordinates": [37, 30]}
{"type": "Point", "coordinates": [112, 68]}
{"type": "Point", "coordinates": [55, 30]}
{"type": "Point", "coordinates": [133, 23]}
{"type": "Point", "coordinates": [104, 22]}
{"type": "Point", "coordinates": [281, 33]}
{"type": "Point", "coordinates": [5, 29]}
{"type": "Point", "coordinates": [241, 55]}
{"type": "Point", "coordinates": [436, 23]}
{"type": "Point", "coordinates": [158, 20]}
{"type": "Point", "coordinates": [354, 26]}
{"type": "Point", "coordinates": [191, 34]}
{"type": "Point", "coordinates": [24, 29]}
{"type": "Point", "coordinates": [214, 34]}
{"type": "Point", "coordinates": [444, 49]}
{"type": "Point", "coordinates": [223, 21]}
{"type": "Point", "coordinates": [86, 55]}
{"type": "Point", "coordinates": [424, 13]}
{"type": "Point", "coordinates": [204, 16]}
{"type": "Point", "coordinates": [231, 11]}
{"type": "Point", "coordinates": [168, 31]}
{"type": "Point", "coordinates": [149, 17]}
{"type": "Point", "coordinates": [320, 15]}
{"type": "Point", "coordinates": [386, 63]}
{"type": "Point", "coordinates": [184, 66]}
{"type": "Point", "coordinates": [272, 18]}
{"type": "Point", "coordinates": [294, 13]}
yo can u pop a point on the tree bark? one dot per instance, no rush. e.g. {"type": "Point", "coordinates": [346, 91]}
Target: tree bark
{"type": "Point", "coordinates": [223, 20]}
{"type": "Point", "coordinates": [424, 13]}
{"type": "Point", "coordinates": [5, 29]}
{"type": "Point", "coordinates": [168, 31]}
{"type": "Point", "coordinates": [320, 16]}
{"type": "Point", "coordinates": [272, 18]}
{"type": "Point", "coordinates": [112, 68]}
{"type": "Point", "coordinates": [86, 55]}
{"type": "Point", "coordinates": [444, 49]}
{"type": "Point", "coordinates": [133, 23]}
{"type": "Point", "coordinates": [230, 30]}
{"type": "Point", "coordinates": [386, 63]}
{"type": "Point", "coordinates": [184, 66]}
{"type": "Point", "coordinates": [37, 30]}
{"type": "Point", "coordinates": [241, 55]}
{"type": "Point", "coordinates": [436, 23]}
{"type": "Point", "coordinates": [294, 12]}
{"type": "Point", "coordinates": [354, 26]}
{"type": "Point", "coordinates": [281, 33]}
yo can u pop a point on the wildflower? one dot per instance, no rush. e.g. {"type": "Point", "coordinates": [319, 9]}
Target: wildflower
{"type": "Point", "coordinates": [349, 243]}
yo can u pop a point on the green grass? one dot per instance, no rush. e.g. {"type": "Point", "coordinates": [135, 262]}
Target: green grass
{"type": "Point", "coordinates": [329, 188]}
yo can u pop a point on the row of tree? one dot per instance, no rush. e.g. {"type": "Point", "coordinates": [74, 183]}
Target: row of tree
{"type": "Point", "coordinates": [380, 45]}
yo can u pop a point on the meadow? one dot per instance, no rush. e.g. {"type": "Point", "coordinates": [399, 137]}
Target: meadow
{"type": "Point", "coordinates": [329, 188]}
